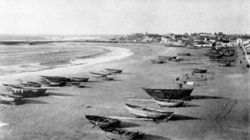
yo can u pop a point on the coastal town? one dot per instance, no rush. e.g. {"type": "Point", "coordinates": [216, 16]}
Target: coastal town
{"type": "Point", "coordinates": [187, 40]}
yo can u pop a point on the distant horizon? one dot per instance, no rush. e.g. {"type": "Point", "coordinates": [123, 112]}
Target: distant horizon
{"type": "Point", "coordinates": [112, 17]}
{"type": "Point", "coordinates": [116, 34]}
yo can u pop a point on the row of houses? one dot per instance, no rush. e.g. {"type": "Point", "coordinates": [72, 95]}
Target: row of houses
{"type": "Point", "coordinates": [194, 39]}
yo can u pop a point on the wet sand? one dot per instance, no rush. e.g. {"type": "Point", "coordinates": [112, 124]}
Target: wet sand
{"type": "Point", "coordinates": [219, 110]}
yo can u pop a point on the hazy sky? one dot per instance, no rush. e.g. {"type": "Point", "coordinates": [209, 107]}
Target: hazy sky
{"type": "Point", "coordinates": [123, 16]}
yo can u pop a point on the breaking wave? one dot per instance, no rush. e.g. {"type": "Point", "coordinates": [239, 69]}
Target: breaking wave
{"type": "Point", "coordinates": [14, 69]}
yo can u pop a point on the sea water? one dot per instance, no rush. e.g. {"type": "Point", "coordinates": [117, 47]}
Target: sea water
{"type": "Point", "coordinates": [27, 58]}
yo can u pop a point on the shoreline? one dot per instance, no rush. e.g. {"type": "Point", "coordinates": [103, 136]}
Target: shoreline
{"type": "Point", "coordinates": [115, 53]}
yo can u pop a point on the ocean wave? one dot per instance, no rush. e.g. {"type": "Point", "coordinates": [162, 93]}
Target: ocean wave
{"type": "Point", "coordinates": [14, 69]}
{"type": "Point", "coordinates": [72, 38]}
{"type": "Point", "coordinates": [53, 52]}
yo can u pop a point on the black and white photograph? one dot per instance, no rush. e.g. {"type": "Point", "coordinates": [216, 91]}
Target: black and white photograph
{"type": "Point", "coordinates": [124, 69]}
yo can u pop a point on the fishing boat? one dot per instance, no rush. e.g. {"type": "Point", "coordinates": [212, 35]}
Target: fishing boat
{"type": "Point", "coordinates": [52, 84]}
{"type": "Point", "coordinates": [184, 54]}
{"type": "Point", "coordinates": [156, 61]}
{"type": "Point", "coordinates": [78, 79]}
{"type": "Point", "coordinates": [57, 78]}
{"type": "Point", "coordinates": [225, 64]}
{"type": "Point", "coordinates": [178, 59]}
{"type": "Point", "coordinates": [162, 57]}
{"type": "Point", "coordinates": [121, 134]}
{"type": "Point", "coordinates": [114, 70]}
{"type": "Point", "coordinates": [199, 70]}
{"type": "Point", "coordinates": [10, 99]}
{"type": "Point", "coordinates": [29, 84]}
{"type": "Point", "coordinates": [180, 93]}
{"type": "Point", "coordinates": [103, 74]}
{"type": "Point", "coordinates": [29, 93]}
{"type": "Point", "coordinates": [147, 113]}
{"type": "Point", "coordinates": [26, 92]}
{"type": "Point", "coordinates": [215, 55]}
{"type": "Point", "coordinates": [168, 103]}
{"type": "Point", "coordinates": [106, 78]}
{"type": "Point", "coordinates": [102, 121]}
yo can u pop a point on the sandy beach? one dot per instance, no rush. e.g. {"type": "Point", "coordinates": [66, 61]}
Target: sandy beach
{"type": "Point", "coordinates": [219, 108]}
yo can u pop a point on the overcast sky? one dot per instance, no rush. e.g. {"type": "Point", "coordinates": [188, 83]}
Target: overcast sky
{"type": "Point", "coordinates": [123, 16]}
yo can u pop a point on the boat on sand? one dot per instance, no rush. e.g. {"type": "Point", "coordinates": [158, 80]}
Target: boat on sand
{"type": "Point", "coordinates": [156, 61]}
{"type": "Point", "coordinates": [29, 84]}
{"type": "Point", "coordinates": [26, 92]}
{"type": "Point", "coordinates": [57, 78]}
{"type": "Point", "coordinates": [113, 70]}
{"type": "Point", "coordinates": [52, 84]}
{"type": "Point", "coordinates": [148, 113]}
{"type": "Point", "coordinates": [199, 70]}
{"type": "Point", "coordinates": [176, 93]}
{"type": "Point", "coordinates": [102, 121]}
{"type": "Point", "coordinates": [184, 54]}
{"type": "Point", "coordinates": [121, 134]}
{"type": "Point", "coordinates": [168, 103]}
{"type": "Point", "coordinates": [79, 79]}
{"type": "Point", "coordinates": [10, 99]}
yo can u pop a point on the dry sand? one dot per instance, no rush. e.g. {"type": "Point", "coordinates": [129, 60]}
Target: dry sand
{"type": "Point", "coordinates": [220, 109]}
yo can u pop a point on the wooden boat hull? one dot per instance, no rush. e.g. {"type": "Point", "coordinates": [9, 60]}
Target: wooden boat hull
{"type": "Point", "coordinates": [104, 78]}
{"type": "Point", "coordinates": [77, 79]}
{"type": "Point", "coordinates": [184, 54]}
{"type": "Point", "coordinates": [158, 61]}
{"type": "Point", "coordinates": [168, 93]}
{"type": "Point", "coordinates": [147, 113]}
{"type": "Point", "coordinates": [168, 103]}
{"type": "Point", "coordinates": [166, 57]}
{"type": "Point", "coordinates": [114, 70]}
{"type": "Point", "coordinates": [53, 84]}
{"type": "Point", "coordinates": [199, 70]}
{"type": "Point", "coordinates": [11, 99]}
{"type": "Point", "coordinates": [30, 84]}
{"type": "Point", "coordinates": [102, 121]}
{"type": "Point", "coordinates": [57, 78]}
{"type": "Point", "coordinates": [29, 93]}
{"type": "Point", "coordinates": [99, 74]}
{"type": "Point", "coordinates": [121, 134]}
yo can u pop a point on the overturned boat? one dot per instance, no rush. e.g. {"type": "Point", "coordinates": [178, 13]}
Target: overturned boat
{"type": "Point", "coordinates": [168, 103]}
{"type": "Point", "coordinates": [180, 93]}
{"type": "Point", "coordinates": [113, 70]}
{"type": "Point", "coordinates": [102, 121]}
{"type": "Point", "coordinates": [121, 134]}
{"type": "Point", "coordinates": [147, 113]}
{"type": "Point", "coordinates": [10, 99]}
